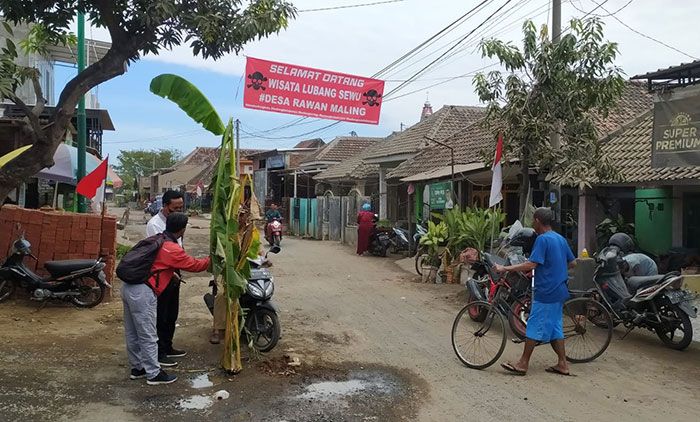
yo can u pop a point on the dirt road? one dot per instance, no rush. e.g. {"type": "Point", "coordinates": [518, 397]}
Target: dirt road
{"type": "Point", "coordinates": [374, 345]}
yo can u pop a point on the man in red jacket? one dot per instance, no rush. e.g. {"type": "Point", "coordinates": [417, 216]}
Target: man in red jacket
{"type": "Point", "coordinates": [140, 303]}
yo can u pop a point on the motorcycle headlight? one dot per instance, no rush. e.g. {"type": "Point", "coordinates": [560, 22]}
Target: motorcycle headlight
{"type": "Point", "coordinates": [269, 289]}
{"type": "Point", "coordinates": [255, 290]}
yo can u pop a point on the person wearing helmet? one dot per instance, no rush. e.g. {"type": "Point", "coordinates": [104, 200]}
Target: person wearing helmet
{"type": "Point", "coordinates": [623, 241]}
{"type": "Point", "coordinates": [550, 258]}
{"type": "Point", "coordinates": [365, 225]}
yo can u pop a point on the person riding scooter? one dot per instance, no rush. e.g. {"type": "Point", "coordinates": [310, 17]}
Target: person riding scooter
{"type": "Point", "coordinates": [271, 215]}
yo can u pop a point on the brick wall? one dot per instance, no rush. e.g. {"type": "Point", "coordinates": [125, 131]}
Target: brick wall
{"type": "Point", "coordinates": [59, 235]}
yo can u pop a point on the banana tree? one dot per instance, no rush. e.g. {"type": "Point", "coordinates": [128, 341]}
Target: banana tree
{"type": "Point", "coordinates": [233, 237]}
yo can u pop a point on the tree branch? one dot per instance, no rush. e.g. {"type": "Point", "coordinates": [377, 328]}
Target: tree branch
{"type": "Point", "coordinates": [32, 118]}
{"type": "Point", "coordinates": [38, 92]}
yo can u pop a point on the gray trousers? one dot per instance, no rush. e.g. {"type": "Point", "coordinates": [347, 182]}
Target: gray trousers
{"type": "Point", "coordinates": [140, 305]}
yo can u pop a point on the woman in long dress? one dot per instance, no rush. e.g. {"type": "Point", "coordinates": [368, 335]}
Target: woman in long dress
{"type": "Point", "coordinates": [365, 225]}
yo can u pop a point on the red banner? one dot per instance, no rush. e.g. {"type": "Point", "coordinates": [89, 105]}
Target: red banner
{"type": "Point", "coordinates": [286, 88]}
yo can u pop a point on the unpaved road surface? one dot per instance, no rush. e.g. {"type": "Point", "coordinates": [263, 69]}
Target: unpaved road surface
{"type": "Point", "coordinates": [374, 345]}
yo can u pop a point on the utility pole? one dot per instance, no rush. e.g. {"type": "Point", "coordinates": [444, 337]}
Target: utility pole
{"type": "Point", "coordinates": [555, 140]}
{"type": "Point", "coordinates": [82, 125]}
{"type": "Point", "coordinates": [238, 148]}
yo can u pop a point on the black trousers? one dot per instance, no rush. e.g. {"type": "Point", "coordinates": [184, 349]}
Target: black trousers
{"type": "Point", "coordinates": [168, 308]}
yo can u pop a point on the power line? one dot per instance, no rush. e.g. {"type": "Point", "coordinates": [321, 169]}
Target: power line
{"type": "Point", "coordinates": [159, 138]}
{"type": "Point", "coordinates": [301, 135]}
{"type": "Point", "coordinates": [420, 72]}
{"type": "Point", "coordinates": [612, 15]}
{"type": "Point", "coordinates": [350, 6]}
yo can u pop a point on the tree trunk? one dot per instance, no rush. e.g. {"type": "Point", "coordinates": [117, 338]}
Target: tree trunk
{"type": "Point", "coordinates": [28, 164]}
{"type": "Point", "coordinates": [524, 180]}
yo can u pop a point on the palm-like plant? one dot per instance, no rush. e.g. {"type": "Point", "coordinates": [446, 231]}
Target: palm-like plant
{"type": "Point", "coordinates": [471, 228]}
{"type": "Point", "coordinates": [233, 238]}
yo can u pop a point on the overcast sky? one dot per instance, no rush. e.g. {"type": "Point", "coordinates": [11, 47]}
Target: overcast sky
{"type": "Point", "coordinates": [362, 41]}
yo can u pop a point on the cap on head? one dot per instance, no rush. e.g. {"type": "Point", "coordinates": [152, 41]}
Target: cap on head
{"type": "Point", "coordinates": [366, 207]}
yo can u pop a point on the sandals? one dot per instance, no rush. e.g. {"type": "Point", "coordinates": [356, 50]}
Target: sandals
{"type": "Point", "coordinates": [512, 369]}
{"type": "Point", "coordinates": [555, 370]}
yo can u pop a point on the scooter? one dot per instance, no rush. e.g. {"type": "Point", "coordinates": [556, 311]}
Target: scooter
{"type": "Point", "coordinates": [399, 241]}
{"type": "Point", "coordinates": [262, 326]}
{"type": "Point", "coordinates": [380, 240]}
{"type": "Point", "coordinates": [657, 303]}
{"type": "Point", "coordinates": [273, 232]}
{"type": "Point", "coordinates": [80, 281]}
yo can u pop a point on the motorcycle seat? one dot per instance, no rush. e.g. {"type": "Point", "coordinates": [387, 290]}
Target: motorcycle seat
{"type": "Point", "coordinates": [494, 259]}
{"type": "Point", "coordinates": [60, 268]}
{"type": "Point", "coordinates": [637, 283]}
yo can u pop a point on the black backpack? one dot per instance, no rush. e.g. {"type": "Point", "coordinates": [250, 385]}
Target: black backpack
{"type": "Point", "coordinates": [135, 266]}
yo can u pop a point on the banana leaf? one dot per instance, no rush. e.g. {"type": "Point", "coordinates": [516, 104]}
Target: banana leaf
{"type": "Point", "coordinates": [189, 99]}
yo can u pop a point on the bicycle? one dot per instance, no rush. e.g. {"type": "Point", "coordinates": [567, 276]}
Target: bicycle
{"type": "Point", "coordinates": [478, 344]}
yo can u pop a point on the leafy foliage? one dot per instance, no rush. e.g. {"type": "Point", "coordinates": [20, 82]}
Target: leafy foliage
{"type": "Point", "coordinates": [189, 99]}
{"type": "Point", "coordinates": [608, 227]}
{"type": "Point", "coordinates": [210, 28]}
{"type": "Point", "coordinates": [471, 227]}
{"type": "Point", "coordinates": [553, 88]}
{"type": "Point", "coordinates": [134, 164]}
{"type": "Point", "coordinates": [233, 237]}
{"type": "Point", "coordinates": [436, 237]}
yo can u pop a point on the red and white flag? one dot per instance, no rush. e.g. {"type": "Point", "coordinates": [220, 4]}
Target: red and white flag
{"type": "Point", "coordinates": [93, 185]}
{"type": "Point", "coordinates": [497, 179]}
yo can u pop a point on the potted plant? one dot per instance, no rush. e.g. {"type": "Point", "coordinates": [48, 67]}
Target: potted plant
{"type": "Point", "coordinates": [433, 240]}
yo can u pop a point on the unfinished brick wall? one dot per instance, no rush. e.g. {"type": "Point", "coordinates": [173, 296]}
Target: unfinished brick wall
{"type": "Point", "coordinates": [59, 235]}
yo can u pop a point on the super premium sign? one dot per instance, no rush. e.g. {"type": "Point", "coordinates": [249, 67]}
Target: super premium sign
{"type": "Point", "coordinates": [675, 140]}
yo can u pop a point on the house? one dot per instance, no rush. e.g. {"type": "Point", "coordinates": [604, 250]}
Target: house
{"type": "Point", "coordinates": [337, 151]}
{"type": "Point", "coordinates": [41, 191]}
{"type": "Point", "coordinates": [272, 180]}
{"type": "Point", "coordinates": [658, 184]}
{"type": "Point", "coordinates": [473, 150]}
{"type": "Point", "coordinates": [405, 145]}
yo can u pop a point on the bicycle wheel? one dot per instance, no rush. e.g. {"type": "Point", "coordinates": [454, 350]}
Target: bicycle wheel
{"type": "Point", "coordinates": [421, 257]}
{"type": "Point", "coordinates": [588, 329]}
{"type": "Point", "coordinates": [478, 344]}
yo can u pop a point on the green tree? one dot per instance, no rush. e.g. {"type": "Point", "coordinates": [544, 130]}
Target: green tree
{"type": "Point", "coordinates": [210, 28]}
{"type": "Point", "coordinates": [550, 88]}
{"type": "Point", "coordinates": [136, 163]}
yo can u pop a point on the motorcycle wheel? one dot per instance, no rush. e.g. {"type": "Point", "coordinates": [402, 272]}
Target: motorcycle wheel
{"type": "Point", "coordinates": [263, 326]}
{"type": "Point", "coordinates": [7, 287]}
{"type": "Point", "coordinates": [669, 331]}
{"type": "Point", "coordinates": [91, 292]}
{"type": "Point", "coordinates": [276, 240]}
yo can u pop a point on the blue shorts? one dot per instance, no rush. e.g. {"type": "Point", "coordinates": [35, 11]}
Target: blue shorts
{"type": "Point", "coordinates": [545, 322]}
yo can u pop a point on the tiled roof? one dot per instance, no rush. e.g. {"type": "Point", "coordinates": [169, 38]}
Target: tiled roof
{"type": "Point", "coordinates": [341, 148]}
{"type": "Point", "coordinates": [311, 143]}
{"type": "Point", "coordinates": [476, 140]}
{"type": "Point", "coordinates": [206, 173]}
{"type": "Point", "coordinates": [200, 155]}
{"type": "Point", "coordinates": [439, 125]}
{"type": "Point", "coordinates": [355, 167]}
{"type": "Point", "coordinates": [630, 154]}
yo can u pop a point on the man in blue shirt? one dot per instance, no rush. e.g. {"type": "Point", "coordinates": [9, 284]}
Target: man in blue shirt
{"type": "Point", "coordinates": [551, 258]}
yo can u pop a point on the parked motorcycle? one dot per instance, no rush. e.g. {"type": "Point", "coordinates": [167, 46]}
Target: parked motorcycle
{"type": "Point", "coordinates": [273, 232]}
{"type": "Point", "coordinates": [262, 326]}
{"type": "Point", "coordinates": [656, 303]}
{"type": "Point", "coordinates": [421, 231]}
{"type": "Point", "coordinates": [380, 241]}
{"type": "Point", "coordinates": [399, 241]}
{"type": "Point", "coordinates": [80, 281]}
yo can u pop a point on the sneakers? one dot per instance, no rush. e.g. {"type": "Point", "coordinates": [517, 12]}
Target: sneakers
{"type": "Point", "coordinates": [166, 362]}
{"type": "Point", "coordinates": [161, 378]}
{"type": "Point", "coordinates": [137, 374]}
{"type": "Point", "coordinates": [174, 353]}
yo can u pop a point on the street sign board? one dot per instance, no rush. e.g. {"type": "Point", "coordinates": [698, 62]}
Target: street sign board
{"type": "Point", "coordinates": [676, 137]}
{"type": "Point", "coordinates": [304, 91]}
{"type": "Point", "coordinates": [439, 194]}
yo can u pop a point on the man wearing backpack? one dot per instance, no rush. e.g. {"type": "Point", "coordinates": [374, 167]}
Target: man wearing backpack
{"type": "Point", "coordinates": [140, 299]}
{"type": "Point", "coordinates": [169, 301]}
